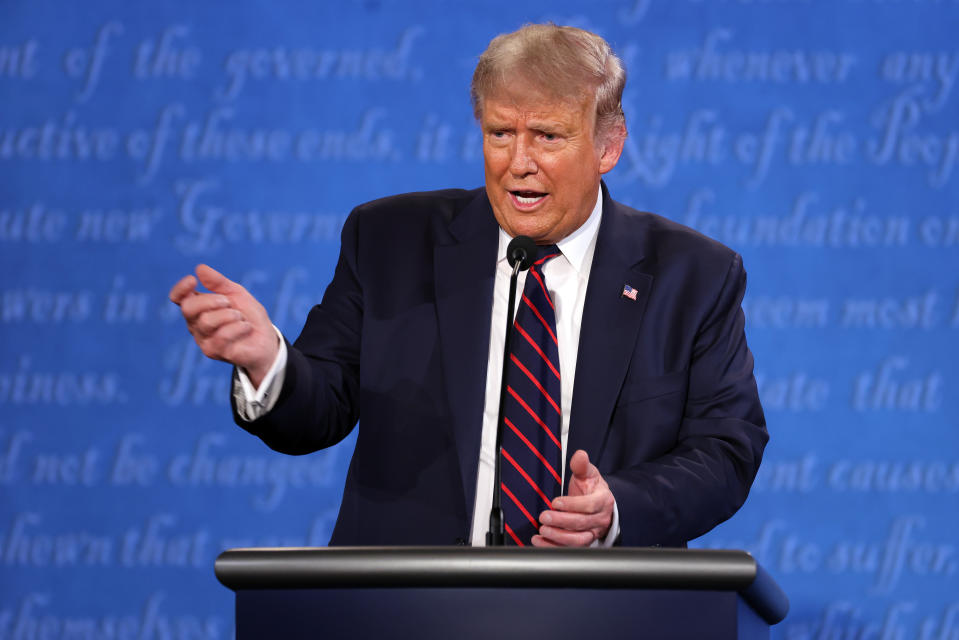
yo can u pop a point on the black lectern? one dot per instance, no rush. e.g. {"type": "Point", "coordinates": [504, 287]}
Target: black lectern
{"type": "Point", "coordinates": [456, 592]}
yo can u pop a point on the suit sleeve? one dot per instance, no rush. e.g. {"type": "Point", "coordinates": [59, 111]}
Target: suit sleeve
{"type": "Point", "coordinates": [706, 477]}
{"type": "Point", "coordinates": [318, 403]}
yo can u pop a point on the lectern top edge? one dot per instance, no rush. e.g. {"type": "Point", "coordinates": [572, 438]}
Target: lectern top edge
{"type": "Point", "coordinates": [451, 567]}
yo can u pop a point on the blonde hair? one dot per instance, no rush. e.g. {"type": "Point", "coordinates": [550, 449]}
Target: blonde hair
{"type": "Point", "coordinates": [564, 61]}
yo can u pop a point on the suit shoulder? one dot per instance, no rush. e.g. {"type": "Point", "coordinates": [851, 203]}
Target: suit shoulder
{"type": "Point", "coordinates": [445, 203]}
{"type": "Point", "coordinates": [669, 240]}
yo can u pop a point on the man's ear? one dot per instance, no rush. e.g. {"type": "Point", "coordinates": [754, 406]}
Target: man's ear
{"type": "Point", "coordinates": [612, 148]}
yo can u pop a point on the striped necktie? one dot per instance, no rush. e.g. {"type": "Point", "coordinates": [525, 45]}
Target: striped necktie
{"type": "Point", "coordinates": [532, 453]}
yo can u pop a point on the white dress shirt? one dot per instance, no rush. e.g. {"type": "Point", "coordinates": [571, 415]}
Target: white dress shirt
{"type": "Point", "coordinates": [566, 278]}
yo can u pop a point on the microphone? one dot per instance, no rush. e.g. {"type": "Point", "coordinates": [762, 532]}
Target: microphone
{"type": "Point", "coordinates": [521, 254]}
{"type": "Point", "coordinates": [521, 249]}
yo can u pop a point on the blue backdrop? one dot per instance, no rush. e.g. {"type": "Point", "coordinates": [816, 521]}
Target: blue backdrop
{"type": "Point", "coordinates": [819, 138]}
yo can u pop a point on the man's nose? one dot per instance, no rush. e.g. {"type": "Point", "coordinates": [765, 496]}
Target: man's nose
{"type": "Point", "coordinates": [521, 161]}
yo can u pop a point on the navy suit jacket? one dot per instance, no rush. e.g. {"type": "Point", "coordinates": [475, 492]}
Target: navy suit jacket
{"type": "Point", "coordinates": [664, 402]}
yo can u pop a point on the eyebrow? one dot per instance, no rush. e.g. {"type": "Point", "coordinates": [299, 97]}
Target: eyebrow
{"type": "Point", "coordinates": [550, 126]}
{"type": "Point", "coordinates": [493, 123]}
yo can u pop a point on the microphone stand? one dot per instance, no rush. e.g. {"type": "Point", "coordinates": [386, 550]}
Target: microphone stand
{"type": "Point", "coordinates": [521, 252]}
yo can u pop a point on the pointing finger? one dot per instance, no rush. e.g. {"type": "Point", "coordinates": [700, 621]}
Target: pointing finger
{"type": "Point", "coordinates": [183, 289]}
{"type": "Point", "coordinates": [216, 281]}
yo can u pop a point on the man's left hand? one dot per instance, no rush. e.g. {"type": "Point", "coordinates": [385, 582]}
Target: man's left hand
{"type": "Point", "coordinates": [582, 516]}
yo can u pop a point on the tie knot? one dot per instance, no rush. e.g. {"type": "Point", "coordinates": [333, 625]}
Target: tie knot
{"type": "Point", "coordinates": [545, 253]}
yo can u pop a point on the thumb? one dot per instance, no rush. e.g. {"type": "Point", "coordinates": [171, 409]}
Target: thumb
{"type": "Point", "coordinates": [216, 281]}
{"type": "Point", "coordinates": [581, 467]}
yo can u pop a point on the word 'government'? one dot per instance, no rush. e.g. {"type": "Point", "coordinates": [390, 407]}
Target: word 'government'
{"type": "Point", "coordinates": [206, 226]}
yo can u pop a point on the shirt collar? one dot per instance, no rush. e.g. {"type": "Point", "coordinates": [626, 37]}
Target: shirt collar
{"type": "Point", "coordinates": [576, 245]}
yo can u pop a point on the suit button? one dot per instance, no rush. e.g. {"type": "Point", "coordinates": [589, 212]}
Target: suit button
{"type": "Point", "coordinates": [461, 542]}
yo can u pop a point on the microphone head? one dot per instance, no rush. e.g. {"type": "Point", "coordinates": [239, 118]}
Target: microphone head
{"type": "Point", "coordinates": [521, 249]}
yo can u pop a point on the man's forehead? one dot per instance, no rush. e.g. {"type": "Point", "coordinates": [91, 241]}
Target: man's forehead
{"type": "Point", "coordinates": [535, 104]}
{"type": "Point", "coordinates": [523, 89]}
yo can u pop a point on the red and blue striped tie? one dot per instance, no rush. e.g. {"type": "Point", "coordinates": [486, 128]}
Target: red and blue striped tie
{"type": "Point", "coordinates": [532, 453]}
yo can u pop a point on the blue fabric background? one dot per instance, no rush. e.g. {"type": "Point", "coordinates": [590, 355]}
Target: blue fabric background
{"type": "Point", "coordinates": [819, 138]}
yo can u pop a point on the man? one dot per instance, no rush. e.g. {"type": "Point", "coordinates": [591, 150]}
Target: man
{"type": "Point", "coordinates": [660, 423]}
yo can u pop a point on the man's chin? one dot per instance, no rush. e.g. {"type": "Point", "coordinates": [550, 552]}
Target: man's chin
{"type": "Point", "coordinates": [538, 234]}
{"type": "Point", "coordinates": [526, 223]}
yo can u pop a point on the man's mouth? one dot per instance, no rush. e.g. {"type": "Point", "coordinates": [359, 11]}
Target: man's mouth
{"type": "Point", "coordinates": [525, 199]}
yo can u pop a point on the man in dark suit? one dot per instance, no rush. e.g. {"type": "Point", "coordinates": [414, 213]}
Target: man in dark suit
{"type": "Point", "coordinates": [662, 430]}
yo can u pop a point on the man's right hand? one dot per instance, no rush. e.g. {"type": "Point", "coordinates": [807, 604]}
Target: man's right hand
{"type": "Point", "coordinates": [228, 324]}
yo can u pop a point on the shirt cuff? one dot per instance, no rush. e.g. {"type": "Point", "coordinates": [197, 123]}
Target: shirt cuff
{"type": "Point", "coordinates": [253, 403]}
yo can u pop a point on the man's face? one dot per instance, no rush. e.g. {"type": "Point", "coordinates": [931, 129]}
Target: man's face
{"type": "Point", "coordinates": [542, 162]}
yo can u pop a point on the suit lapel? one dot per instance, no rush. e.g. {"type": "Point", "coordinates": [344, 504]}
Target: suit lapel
{"type": "Point", "coordinates": [464, 271]}
{"type": "Point", "coordinates": [610, 327]}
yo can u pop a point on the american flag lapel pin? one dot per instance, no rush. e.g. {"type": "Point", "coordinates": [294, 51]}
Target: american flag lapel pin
{"type": "Point", "coordinates": [629, 292]}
